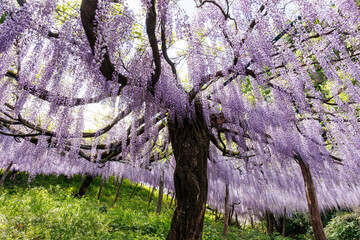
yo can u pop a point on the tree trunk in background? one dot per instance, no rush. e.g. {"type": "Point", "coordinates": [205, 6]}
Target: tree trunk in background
{"type": "Point", "coordinates": [118, 190]}
{"type": "Point", "coordinates": [13, 177]}
{"type": "Point", "coordinates": [30, 178]}
{"type": "Point", "coordinates": [232, 210]}
{"type": "Point", "coordinates": [172, 199]}
{"type": "Point", "coordinates": [132, 193]}
{"type": "Point", "coordinates": [236, 220]}
{"type": "Point", "coordinates": [252, 221]}
{"type": "Point", "coordinates": [314, 212]}
{"type": "Point", "coordinates": [227, 209]}
{"type": "Point", "coordinates": [101, 186]}
{"type": "Point", "coordinates": [161, 193]}
{"type": "Point", "coordinates": [216, 215]}
{"type": "Point", "coordinates": [151, 194]}
{"type": "Point", "coordinates": [190, 142]}
{"type": "Point", "coordinates": [244, 224]}
{"type": "Point", "coordinates": [69, 181]}
{"type": "Point", "coordinates": [270, 223]}
{"type": "Point", "coordinates": [84, 186]}
{"type": "Point", "coordinates": [5, 174]}
{"type": "Point", "coordinates": [284, 223]}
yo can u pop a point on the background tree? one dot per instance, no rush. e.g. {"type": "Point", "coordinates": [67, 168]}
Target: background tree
{"type": "Point", "coordinates": [256, 106]}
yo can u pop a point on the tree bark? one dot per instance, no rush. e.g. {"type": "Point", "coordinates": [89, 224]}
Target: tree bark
{"type": "Point", "coordinates": [5, 174]}
{"type": "Point", "coordinates": [101, 186]}
{"type": "Point", "coordinates": [314, 212]}
{"type": "Point", "coordinates": [190, 142]}
{"type": "Point", "coordinates": [161, 193]}
{"type": "Point", "coordinates": [227, 209]}
{"type": "Point", "coordinates": [118, 190]}
{"type": "Point", "coordinates": [84, 186]}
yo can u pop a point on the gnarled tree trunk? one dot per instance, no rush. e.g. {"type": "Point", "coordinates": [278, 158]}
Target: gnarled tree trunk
{"type": "Point", "coordinates": [314, 212]}
{"type": "Point", "coordinates": [190, 142]}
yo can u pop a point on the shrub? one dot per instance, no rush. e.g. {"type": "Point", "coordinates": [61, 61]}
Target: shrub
{"type": "Point", "coordinates": [344, 226]}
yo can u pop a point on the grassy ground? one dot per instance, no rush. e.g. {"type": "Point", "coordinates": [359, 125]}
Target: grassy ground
{"type": "Point", "coordinates": [48, 210]}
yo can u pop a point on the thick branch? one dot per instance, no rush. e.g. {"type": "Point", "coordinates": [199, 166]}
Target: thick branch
{"type": "Point", "coordinates": [164, 49]}
{"type": "Point", "coordinates": [99, 132]}
{"type": "Point", "coordinates": [59, 100]}
{"type": "Point", "coordinates": [227, 152]}
{"type": "Point", "coordinates": [88, 12]}
{"type": "Point", "coordinates": [150, 30]}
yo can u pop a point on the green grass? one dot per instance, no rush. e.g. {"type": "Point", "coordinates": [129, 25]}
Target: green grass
{"type": "Point", "coordinates": [48, 210]}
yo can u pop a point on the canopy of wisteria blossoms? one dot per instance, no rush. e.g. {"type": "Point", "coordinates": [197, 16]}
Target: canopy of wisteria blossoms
{"type": "Point", "coordinates": [287, 98]}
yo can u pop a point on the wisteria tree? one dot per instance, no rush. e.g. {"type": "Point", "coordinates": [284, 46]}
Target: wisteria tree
{"type": "Point", "coordinates": [265, 91]}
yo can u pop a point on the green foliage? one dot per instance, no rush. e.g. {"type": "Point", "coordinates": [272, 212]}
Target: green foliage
{"type": "Point", "coordinates": [2, 18]}
{"type": "Point", "coordinates": [213, 230]}
{"type": "Point", "coordinates": [48, 210]}
{"type": "Point", "coordinates": [51, 212]}
{"type": "Point", "coordinates": [344, 226]}
{"type": "Point", "coordinates": [298, 225]}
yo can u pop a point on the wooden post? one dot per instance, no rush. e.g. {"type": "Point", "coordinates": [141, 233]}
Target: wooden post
{"type": "Point", "coordinates": [244, 225]}
{"type": "Point", "coordinates": [69, 181]}
{"type": "Point", "coordinates": [151, 195]}
{"type": "Point", "coordinates": [13, 177]}
{"type": "Point", "coordinates": [284, 222]}
{"type": "Point", "coordinates": [270, 222]}
{"type": "Point", "coordinates": [217, 217]}
{"type": "Point", "coordinates": [172, 198]}
{"type": "Point", "coordinates": [133, 191]}
{"type": "Point", "coordinates": [161, 192]}
{"type": "Point", "coordinates": [30, 178]}
{"type": "Point", "coordinates": [118, 190]}
{"type": "Point", "coordinates": [231, 213]}
{"type": "Point", "coordinates": [226, 214]}
{"type": "Point", "coordinates": [101, 186]}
